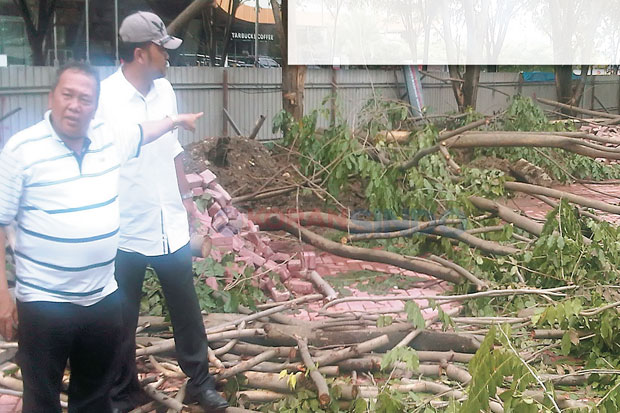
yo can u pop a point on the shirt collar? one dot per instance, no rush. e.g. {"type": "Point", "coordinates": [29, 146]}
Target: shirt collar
{"type": "Point", "coordinates": [48, 123]}
{"type": "Point", "coordinates": [127, 91]}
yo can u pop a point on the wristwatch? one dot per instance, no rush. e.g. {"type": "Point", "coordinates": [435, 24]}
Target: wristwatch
{"type": "Point", "coordinates": [175, 121]}
{"type": "Point", "coordinates": [187, 195]}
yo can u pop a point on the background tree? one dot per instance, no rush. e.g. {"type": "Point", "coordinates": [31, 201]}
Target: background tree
{"type": "Point", "coordinates": [485, 24]}
{"type": "Point", "coordinates": [570, 24]}
{"type": "Point", "coordinates": [293, 76]}
{"type": "Point", "coordinates": [205, 9]}
{"type": "Point", "coordinates": [464, 83]}
{"type": "Point", "coordinates": [37, 21]}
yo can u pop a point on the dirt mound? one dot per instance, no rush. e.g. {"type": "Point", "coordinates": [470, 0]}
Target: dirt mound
{"type": "Point", "coordinates": [241, 165]}
{"type": "Point", "coordinates": [245, 166]}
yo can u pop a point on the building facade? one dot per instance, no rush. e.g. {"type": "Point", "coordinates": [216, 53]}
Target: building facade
{"type": "Point", "coordinates": [71, 35]}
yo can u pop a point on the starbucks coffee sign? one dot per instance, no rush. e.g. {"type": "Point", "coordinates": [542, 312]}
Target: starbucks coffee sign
{"type": "Point", "coordinates": [250, 36]}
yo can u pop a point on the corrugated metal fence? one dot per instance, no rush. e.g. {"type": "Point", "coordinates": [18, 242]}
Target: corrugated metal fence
{"type": "Point", "coordinates": [252, 92]}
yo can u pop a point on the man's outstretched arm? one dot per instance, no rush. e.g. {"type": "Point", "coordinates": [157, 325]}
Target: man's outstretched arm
{"type": "Point", "coordinates": [153, 129]}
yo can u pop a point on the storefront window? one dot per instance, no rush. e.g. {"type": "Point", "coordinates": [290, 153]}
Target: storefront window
{"type": "Point", "coordinates": [14, 41]}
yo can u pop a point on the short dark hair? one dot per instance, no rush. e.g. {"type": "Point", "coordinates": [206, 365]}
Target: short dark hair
{"type": "Point", "coordinates": [126, 49]}
{"type": "Point", "coordinates": [79, 67]}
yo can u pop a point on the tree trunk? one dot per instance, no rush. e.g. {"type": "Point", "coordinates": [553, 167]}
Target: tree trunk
{"type": "Point", "coordinates": [579, 87]}
{"type": "Point", "coordinates": [465, 86]}
{"type": "Point", "coordinates": [293, 85]}
{"type": "Point", "coordinates": [36, 32]}
{"type": "Point", "coordinates": [211, 32]}
{"type": "Point", "coordinates": [293, 77]}
{"type": "Point", "coordinates": [232, 10]}
{"type": "Point", "coordinates": [470, 85]}
{"type": "Point", "coordinates": [457, 89]}
{"type": "Point", "coordinates": [182, 20]}
{"type": "Point", "coordinates": [563, 79]}
{"type": "Point", "coordinates": [565, 91]}
{"type": "Point", "coordinates": [194, 9]}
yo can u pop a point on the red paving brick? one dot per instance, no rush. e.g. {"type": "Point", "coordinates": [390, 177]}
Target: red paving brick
{"type": "Point", "coordinates": [10, 404]}
{"type": "Point", "coordinates": [329, 265]}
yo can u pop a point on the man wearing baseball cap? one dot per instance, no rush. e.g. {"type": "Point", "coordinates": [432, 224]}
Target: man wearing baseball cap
{"type": "Point", "coordinates": [154, 199]}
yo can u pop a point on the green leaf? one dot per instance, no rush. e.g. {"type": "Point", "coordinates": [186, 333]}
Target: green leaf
{"type": "Point", "coordinates": [565, 345]}
{"type": "Point", "coordinates": [414, 315]}
{"type": "Point", "coordinates": [360, 406]}
{"type": "Point", "coordinates": [384, 321]}
{"type": "Point", "coordinates": [404, 354]}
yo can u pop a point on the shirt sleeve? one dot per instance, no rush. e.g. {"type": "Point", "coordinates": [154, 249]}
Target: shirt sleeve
{"type": "Point", "coordinates": [11, 185]}
{"type": "Point", "coordinates": [128, 140]}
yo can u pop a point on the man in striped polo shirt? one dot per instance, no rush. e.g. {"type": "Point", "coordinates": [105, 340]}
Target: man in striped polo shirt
{"type": "Point", "coordinates": [59, 181]}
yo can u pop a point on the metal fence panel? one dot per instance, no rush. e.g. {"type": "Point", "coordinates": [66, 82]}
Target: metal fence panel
{"type": "Point", "coordinates": [199, 90]}
{"type": "Point", "coordinates": [253, 92]}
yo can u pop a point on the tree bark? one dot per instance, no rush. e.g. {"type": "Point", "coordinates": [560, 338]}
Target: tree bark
{"type": "Point", "coordinates": [513, 139]}
{"type": "Point", "coordinates": [413, 264]}
{"type": "Point", "coordinates": [323, 286]}
{"type": "Point", "coordinates": [470, 86]}
{"type": "Point", "coordinates": [354, 351]}
{"type": "Point", "coordinates": [36, 32]}
{"type": "Point", "coordinates": [293, 77]}
{"type": "Point", "coordinates": [457, 87]}
{"type": "Point", "coordinates": [465, 86]}
{"type": "Point", "coordinates": [281, 335]}
{"type": "Point", "coordinates": [570, 109]}
{"type": "Point", "coordinates": [272, 381]}
{"type": "Point", "coordinates": [293, 85]}
{"type": "Point", "coordinates": [554, 193]}
{"type": "Point", "coordinates": [317, 378]}
{"type": "Point", "coordinates": [508, 215]}
{"type": "Point", "coordinates": [232, 10]}
{"type": "Point", "coordinates": [182, 20]}
{"type": "Point", "coordinates": [565, 91]}
{"type": "Point", "coordinates": [321, 219]}
{"type": "Point", "coordinates": [563, 84]}
{"type": "Point", "coordinates": [246, 365]}
{"type": "Point", "coordinates": [258, 396]}
{"type": "Point", "coordinates": [373, 363]}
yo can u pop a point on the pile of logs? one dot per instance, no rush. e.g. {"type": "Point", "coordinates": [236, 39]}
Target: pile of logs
{"type": "Point", "coordinates": [342, 350]}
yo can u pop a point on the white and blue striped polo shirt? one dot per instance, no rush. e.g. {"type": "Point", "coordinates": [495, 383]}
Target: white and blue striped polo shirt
{"type": "Point", "coordinates": [66, 210]}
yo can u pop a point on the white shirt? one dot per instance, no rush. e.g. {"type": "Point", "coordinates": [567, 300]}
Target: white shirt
{"type": "Point", "coordinates": [66, 210]}
{"type": "Point", "coordinates": [153, 218]}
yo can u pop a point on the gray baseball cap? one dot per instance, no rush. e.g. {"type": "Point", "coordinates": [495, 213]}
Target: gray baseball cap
{"type": "Point", "coordinates": [144, 26]}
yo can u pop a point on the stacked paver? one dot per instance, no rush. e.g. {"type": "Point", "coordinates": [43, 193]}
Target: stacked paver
{"type": "Point", "coordinates": [230, 231]}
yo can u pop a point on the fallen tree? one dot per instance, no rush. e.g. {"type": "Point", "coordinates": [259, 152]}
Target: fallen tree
{"type": "Point", "coordinates": [517, 139]}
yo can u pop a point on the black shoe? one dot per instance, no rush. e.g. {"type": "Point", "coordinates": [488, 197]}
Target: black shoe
{"type": "Point", "coordinates": [210, 400]}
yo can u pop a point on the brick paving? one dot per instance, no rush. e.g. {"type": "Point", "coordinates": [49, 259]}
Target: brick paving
{"type": "Point", "coordinates": [534, 208]}
{"type": "Point", "coordinates": [10, 404]}
{"type": "Point", "coordinates": [329, 265]}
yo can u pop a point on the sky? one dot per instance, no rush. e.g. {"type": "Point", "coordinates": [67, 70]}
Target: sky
{"type": "Point", "coordinates": [453, 32]}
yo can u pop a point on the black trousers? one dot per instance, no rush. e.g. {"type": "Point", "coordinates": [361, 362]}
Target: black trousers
{"type": "Point", "coordinates": [177, 281]}
{"type": "Point", "coordinates": [50, 334]}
